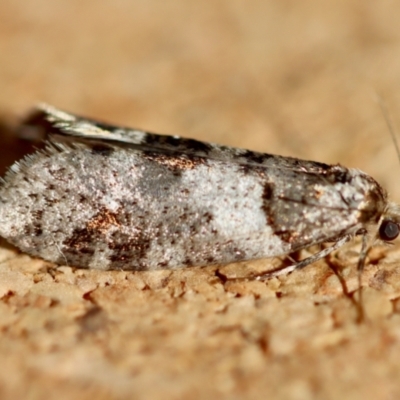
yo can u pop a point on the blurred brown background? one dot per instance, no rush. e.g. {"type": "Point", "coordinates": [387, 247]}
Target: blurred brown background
{"type": "Point", "coordinates": [287, 77]}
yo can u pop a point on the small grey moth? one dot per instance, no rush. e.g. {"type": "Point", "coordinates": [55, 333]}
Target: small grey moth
{"type": "Point", "coordinates": [106, 197]}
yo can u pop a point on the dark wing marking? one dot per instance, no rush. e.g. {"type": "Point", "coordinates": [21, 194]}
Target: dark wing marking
{"type": "Point", "coordinates": [58, 122]}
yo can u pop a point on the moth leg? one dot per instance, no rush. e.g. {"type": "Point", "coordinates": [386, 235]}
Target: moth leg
{"type": "Point", "coordinates": [303, 263]}
{"type": "Point", "coordinates": [360, 267]}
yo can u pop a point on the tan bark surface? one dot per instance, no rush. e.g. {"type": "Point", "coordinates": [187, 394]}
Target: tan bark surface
{"type": "Point", "coordinates": [296, 78]}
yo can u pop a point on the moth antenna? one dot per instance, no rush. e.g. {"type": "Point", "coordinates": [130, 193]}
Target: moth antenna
{"type": "Point", "coordinates": [390, 124]}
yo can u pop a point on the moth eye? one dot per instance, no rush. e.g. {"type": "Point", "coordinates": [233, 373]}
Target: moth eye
{"type": "Point", "coordinates": [389, 230]}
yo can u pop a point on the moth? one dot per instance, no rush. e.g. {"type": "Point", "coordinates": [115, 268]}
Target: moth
{"type": "Point", "coordinates": [107, 197]}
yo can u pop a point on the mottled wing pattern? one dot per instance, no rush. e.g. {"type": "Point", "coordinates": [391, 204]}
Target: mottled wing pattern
{"type": "Point", "coordinates": [144, 201]}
